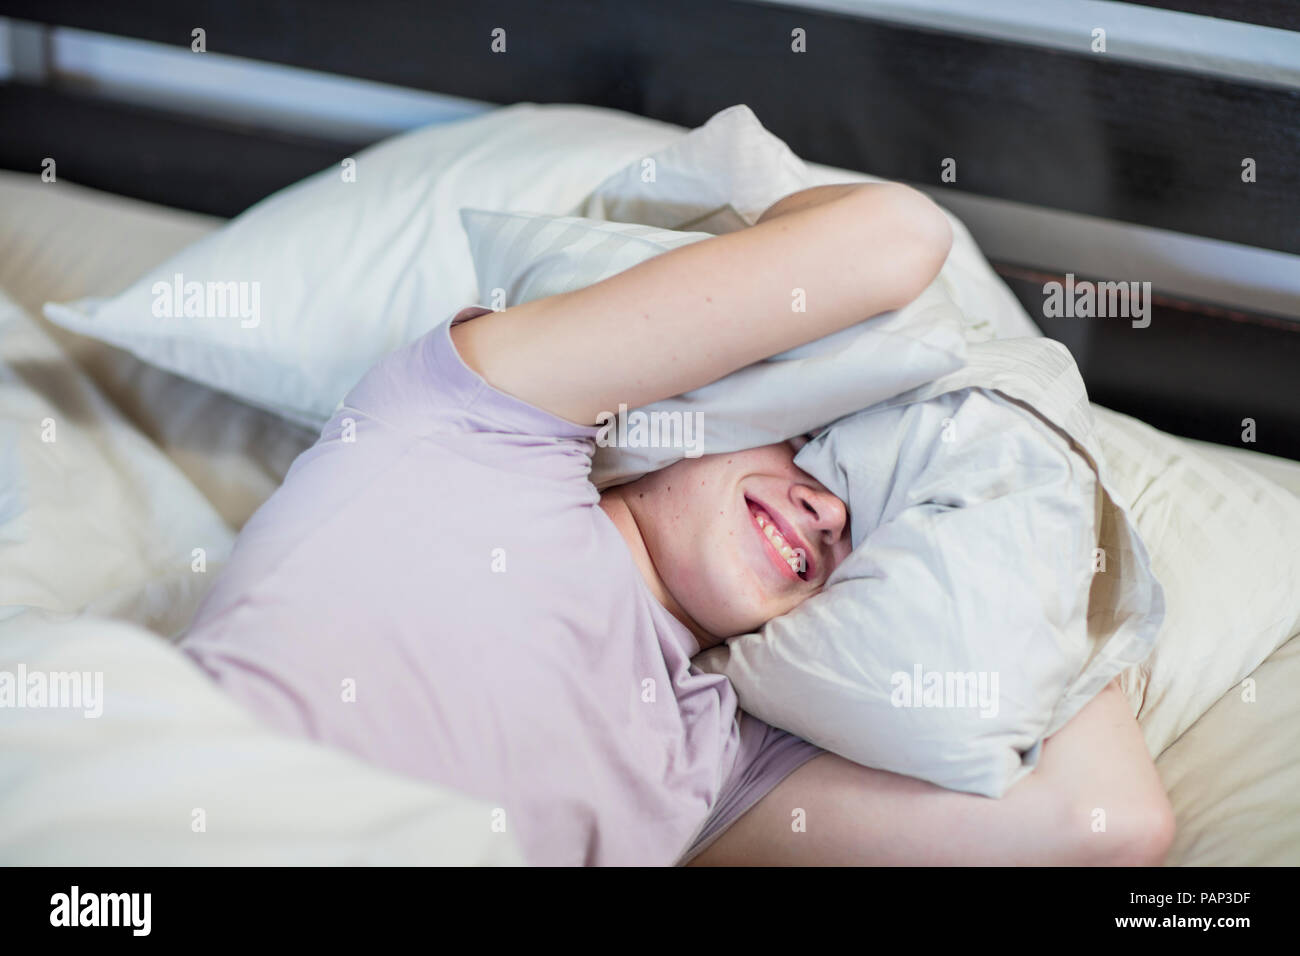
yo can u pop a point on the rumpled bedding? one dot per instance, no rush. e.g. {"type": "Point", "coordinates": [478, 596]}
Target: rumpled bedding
{"type": "Point", "coordinates": [1232, 776]}
{"type": "Point", "coordinates": [117, 750]}
{"type": "Point", "coordinates": [154, 765]}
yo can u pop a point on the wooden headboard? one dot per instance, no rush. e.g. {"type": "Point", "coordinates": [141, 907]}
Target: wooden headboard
{"type": "Point", "coordinates": [1068, 131]}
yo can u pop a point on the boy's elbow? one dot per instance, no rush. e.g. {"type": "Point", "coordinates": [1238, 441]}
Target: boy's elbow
{"type": "Point", "coordinates": [1139, 836]}
{"type": "Point", "coordinates": [930, 223]}
{"type": "Point", "coordinates": [1158, 832]}
{"type": "Point", "coordinates": [924, 239]}
{"type": "Point", "coordinates": [932, 234]}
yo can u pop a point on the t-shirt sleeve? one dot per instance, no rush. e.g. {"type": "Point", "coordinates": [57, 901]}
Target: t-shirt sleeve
{"type": "Point", "coordinates": [767, 756]}
{"type": "Point", "coordinates": [426, 387]}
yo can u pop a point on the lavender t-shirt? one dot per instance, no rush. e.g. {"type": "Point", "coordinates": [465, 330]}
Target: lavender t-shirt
{"type": "Point", "coordinates": [435, 589]}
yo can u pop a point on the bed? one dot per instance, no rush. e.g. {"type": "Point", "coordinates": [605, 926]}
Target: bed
{"type": "Point", "coordinates": [193, 463]}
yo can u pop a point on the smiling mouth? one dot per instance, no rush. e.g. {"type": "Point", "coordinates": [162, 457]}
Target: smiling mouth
{"type": "Point", "coordinates": [793, 556]}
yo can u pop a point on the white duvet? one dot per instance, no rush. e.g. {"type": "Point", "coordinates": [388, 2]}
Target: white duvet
{"type": "Point", "coordinates": [119, 751]}
{"type": "Point", "coordinates": [116, 748]}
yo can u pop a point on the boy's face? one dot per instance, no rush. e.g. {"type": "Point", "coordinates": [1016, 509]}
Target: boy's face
{"type": "Point", "coordinates": [739, 538]}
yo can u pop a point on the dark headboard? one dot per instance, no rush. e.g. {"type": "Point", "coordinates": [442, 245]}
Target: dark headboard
{"type": "Point", "coordinates": [1070, 131]}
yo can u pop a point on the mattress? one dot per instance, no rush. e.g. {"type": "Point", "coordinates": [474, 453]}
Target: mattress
{"type": "Point", "coordinates": [1233, 777]}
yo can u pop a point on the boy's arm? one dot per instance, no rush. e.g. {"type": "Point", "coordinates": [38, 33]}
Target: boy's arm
{"type": "Point", "coordinates": [699, 312]}
{"type": "Point", "coordinates": [857, 816]}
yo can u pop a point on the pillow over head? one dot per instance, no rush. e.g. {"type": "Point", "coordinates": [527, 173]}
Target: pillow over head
{"type": "Point", "coordinates": [994, 588]}
{"type": "Point", "coordinates": [524, 256]}
{"type": "Point", "coordinates": [1195, 563]}
{"type": "Point", "coordinates": [720, 177]}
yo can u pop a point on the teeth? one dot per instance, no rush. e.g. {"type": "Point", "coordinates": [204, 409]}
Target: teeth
{"type": "Point", "coordinates": [791, 556]}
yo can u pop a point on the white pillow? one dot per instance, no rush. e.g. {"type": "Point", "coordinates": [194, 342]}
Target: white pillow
{"type": "Point", "coordinates": [342, 272]}
{"type": "Point", "coordinates": [1225, 543]}
{"type": "Point", "coordinates": [725, 174]}
{"type": "Point", "coordinates": [992, 310]}
{"type": "Point", "coordinates": [976, 505]}
{"type": "Point", "coordinates": [718, 178]}
{"type": "Point", "coordinates": [524, 256]}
